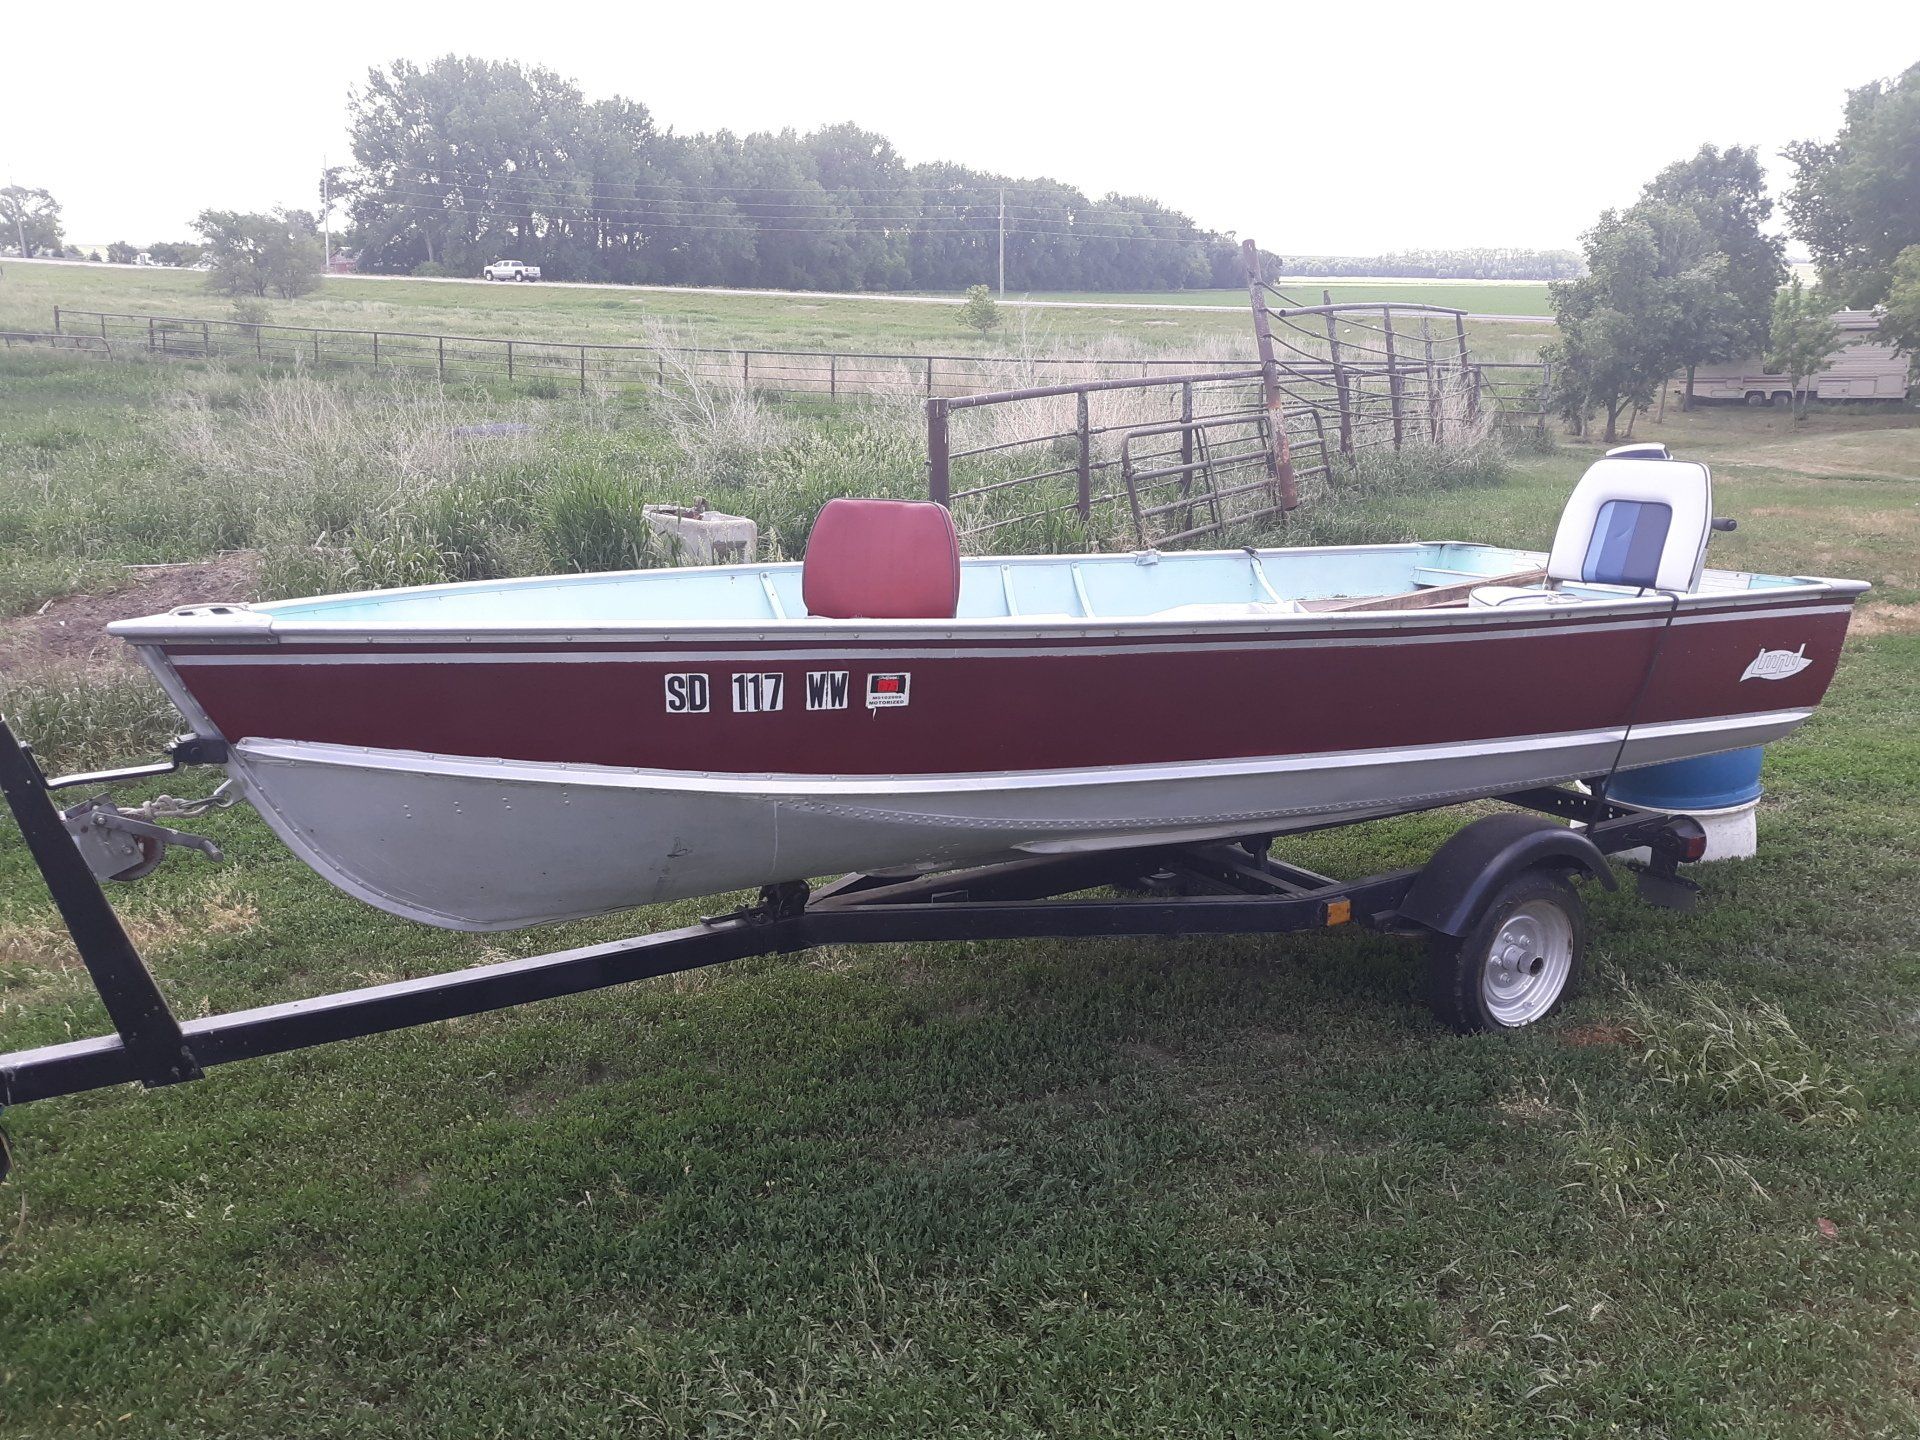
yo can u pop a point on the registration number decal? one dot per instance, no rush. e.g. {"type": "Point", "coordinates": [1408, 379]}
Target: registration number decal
{"type": "Point", "coordinates": [688, 694]}
{"type": "Point", "coordinates": [753, 694]}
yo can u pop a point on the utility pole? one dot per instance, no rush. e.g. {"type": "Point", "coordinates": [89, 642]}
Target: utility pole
{"type": "Point", "coordinates": [326, 217]}
{"type": "Point", "coordinates": [1003, 244]}
{"type": "Point", "coordinates": [20, 221]}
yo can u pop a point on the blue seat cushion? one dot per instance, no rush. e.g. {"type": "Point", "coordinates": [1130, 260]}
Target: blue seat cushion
{"type": "Point", "coordinates": [1627, 540]}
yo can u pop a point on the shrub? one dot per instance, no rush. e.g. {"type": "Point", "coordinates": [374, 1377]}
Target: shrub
{"type": "Point", "coordinates": [251, 310]}
{"type": "Point", "coordinates": [430, 270]}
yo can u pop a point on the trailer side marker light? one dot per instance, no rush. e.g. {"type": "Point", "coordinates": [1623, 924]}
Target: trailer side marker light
{"type": "Point", "coordinates": [1339, 912]}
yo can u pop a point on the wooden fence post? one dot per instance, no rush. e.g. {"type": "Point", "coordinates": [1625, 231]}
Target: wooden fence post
{"type": "Point", "coordinates": [929, 375]}
{"type": "Point", "coordinates": [1339, 378]}
{"type": "Point", "coordinates": [583, 369]}
{"type": "Point", "coordinates": [1393, 376]}
{"type": "Point", "coordinates": [440, 361]}
{"type": "Point", "coordinates": [833, 376]}
{"type": "Point", "coordinates": [376, 349]}
{"type": "Point", "coordinates": [938, 481]}
{"type": "Point", "coordinates": [509, 359]}
{"type": "Point", "coordinates": [1433, 388]}
{"type": "Point", "coordinates": [1279, 457]}
{"type": "Point", "coordinates": [56, 321]}
{"type": "Point", "coordinates": [1473, 387]}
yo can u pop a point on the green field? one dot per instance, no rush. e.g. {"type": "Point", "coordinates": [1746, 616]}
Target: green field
{"type": "Point", "coordinates": [1208, 328]}
{"type": "Point", "coordinates": [1193, 1188]}
{"type": "Point", "coordinates": [1477, 297]}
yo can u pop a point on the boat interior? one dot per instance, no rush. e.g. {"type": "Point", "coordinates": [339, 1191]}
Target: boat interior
{"type": "Point", "coordinates": [1636, 524]}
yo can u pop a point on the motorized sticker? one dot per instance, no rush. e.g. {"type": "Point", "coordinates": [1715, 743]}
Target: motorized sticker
{"type": "Point", "coordinates": [885, 692]}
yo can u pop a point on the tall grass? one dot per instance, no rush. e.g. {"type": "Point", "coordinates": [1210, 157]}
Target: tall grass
{"type": "Point", "coordinates": [1716, 1053]}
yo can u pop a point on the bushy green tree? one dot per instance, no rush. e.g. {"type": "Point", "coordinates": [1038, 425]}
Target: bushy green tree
{"type": "Point", "coordinates": [1803, 338]}
{"type": "Point", "coordinates": [1901, 323]}
{"type": "Point", "coordinates": [121, 253]}
{"type": "Point", "coordinates": [175, 252]}
{"type": "Point", "coordinates": [1726, 192]}
{"type": "Point", "coordinates": [31, 220]}
{"type": "Point", "coordinates": [1651, 283]}
{"type": "Point", "coordinates": [260, 254]}
{"type": "Point", "coordinates": [980, 312]}
{"type": "Point", "coordinates": [1855, 199]}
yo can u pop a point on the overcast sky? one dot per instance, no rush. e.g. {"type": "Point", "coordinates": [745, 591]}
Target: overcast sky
{"type": "Point", "coordinates": [1347, 128]}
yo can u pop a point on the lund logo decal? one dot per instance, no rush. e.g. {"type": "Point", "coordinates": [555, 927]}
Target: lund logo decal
{"type": "Point", "coordinates": [885, 692]}
{"type": "Point", "coordinates": [1777, 664]}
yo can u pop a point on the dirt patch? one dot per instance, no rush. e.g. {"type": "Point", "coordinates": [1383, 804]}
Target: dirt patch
{"type": "Point", "coordinates": [1585, 1037]}
{"type": "Point", "coordinates": [71, 630]}
{"type": "Point", "coordinates": [1886, 619]}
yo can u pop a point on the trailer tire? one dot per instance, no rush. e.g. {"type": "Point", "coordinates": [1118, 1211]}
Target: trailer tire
{"type": "Point", "coordinates": [1523, 956]}
{"type": "Point", "coordinates": [1756, 398]}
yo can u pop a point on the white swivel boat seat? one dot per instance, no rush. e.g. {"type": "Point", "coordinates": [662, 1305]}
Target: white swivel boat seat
{"type": "Point", "coordinates": [1640, 521]}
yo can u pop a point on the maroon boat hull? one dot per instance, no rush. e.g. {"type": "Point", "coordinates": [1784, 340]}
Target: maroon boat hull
{"type": "Point", "coordinates": [1008, 702]}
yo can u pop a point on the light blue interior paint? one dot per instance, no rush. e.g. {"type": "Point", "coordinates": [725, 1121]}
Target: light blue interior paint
{"type": "Point", "coordinates": [1042, 586]}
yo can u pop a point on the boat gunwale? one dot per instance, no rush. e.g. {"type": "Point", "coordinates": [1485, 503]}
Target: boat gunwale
{"type": "Point", "coordinates": [171, 629]}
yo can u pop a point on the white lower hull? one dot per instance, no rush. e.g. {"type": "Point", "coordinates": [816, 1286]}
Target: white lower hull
{"type": "Point", "coordinates": [495, 845]}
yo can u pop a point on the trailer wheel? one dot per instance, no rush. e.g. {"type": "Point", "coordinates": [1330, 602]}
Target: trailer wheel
{"type": "Point", "coordinates": [1522, 957]}
{"type": "Point", "coordinates": [1756, 398]}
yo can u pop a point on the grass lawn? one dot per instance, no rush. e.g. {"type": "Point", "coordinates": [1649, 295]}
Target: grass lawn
{"type": "Point", "coordinates": [1207, 1187]}
{"type": "Point", "coordinates": [28, 294]}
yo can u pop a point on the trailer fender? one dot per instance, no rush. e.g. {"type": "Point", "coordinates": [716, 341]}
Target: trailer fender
{"type": "Point", "coordinates": [1478, 859]}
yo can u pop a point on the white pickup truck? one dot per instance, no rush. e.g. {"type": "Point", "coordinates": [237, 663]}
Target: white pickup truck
{"type": "Point", "coordinates": [510, 270]}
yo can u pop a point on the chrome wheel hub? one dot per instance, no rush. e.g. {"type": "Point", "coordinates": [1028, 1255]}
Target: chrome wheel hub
{"type": "Point", "coordinates": [1527, 963]}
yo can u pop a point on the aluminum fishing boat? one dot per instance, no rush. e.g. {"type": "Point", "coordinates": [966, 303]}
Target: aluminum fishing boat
{"type": "Point", "coordinates": [494, 755]}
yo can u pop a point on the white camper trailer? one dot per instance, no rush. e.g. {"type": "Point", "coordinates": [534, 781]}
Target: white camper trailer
{"type": "Point", "coordinates": [1864, 367]}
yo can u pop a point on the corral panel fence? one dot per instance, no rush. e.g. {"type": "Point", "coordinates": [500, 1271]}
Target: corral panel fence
{"type": "Point", "coordinates": [51, 340]}
{"type": "Point", "coordinates": [1157, 460]}
{"type": "Point", "coordinates": [572, 364]}
{"type": "Point", "coordinates": [1147, 462]}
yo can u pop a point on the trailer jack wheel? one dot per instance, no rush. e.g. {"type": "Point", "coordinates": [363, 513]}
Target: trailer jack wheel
{"type": "Point", "coordinates": [1521, 958]}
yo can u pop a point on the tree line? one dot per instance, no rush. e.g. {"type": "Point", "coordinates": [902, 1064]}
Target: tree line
{"type": "Point", "coordinates": [1471, 263]}
{"type": "Point", "coordinates": [463, 161]}
{"type": "Point", "coordinates": [1687, 275]}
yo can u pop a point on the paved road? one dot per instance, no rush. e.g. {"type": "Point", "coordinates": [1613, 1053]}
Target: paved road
{"type": "Point", "coordinates": [792, 294]}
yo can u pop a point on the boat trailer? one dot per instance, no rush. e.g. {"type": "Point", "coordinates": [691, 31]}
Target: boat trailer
{"type": "Point", "coordinates": [1228, 887]}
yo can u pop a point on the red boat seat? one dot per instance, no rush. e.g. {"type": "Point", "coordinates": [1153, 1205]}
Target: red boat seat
{"type": "Point", "coordinates": [882, 560]}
